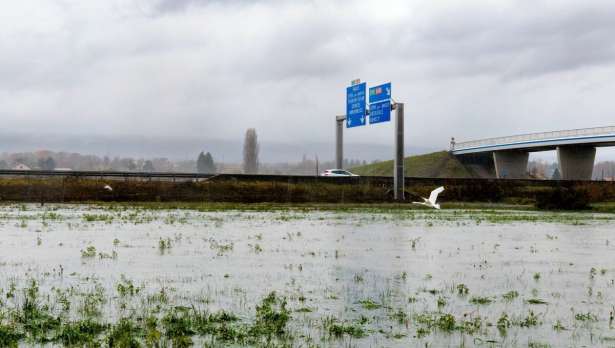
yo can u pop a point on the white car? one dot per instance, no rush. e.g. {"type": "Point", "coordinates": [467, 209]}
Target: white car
{"type": "Point", "coordinates": [337, 172]}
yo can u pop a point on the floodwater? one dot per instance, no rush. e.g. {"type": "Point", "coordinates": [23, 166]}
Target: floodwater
{"type": "Point", "coordinates": [416, 278]}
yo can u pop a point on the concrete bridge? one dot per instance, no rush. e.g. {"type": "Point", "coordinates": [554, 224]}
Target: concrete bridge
{"type": "Point", "coordinates": [507, 157]}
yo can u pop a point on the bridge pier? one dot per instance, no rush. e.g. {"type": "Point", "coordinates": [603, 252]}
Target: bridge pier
{"type": "Point", "coordinates": [576, 162]}
{"type": "Point", "coordinates": [480, 164]}
{"type": "Point", "coordinates": [510, 164]}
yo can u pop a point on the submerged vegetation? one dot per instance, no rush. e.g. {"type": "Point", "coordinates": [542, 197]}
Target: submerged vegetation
{"type": "Point", "coordinates": [34, 320]}
{"type": "Point", "coordinates": [176, 213]}
{"type": "Point", "coordinates": [180, 275]}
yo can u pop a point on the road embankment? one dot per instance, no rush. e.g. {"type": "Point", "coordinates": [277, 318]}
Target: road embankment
{"type": "Point", "coordinates": [282, 189]}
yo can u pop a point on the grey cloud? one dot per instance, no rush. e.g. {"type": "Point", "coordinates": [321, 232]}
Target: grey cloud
{"type": "Point", "coordinates": [175, 5]}
{"type": "Point", "coordinates": [211, 69]}
{"type": "Point", "coordinates": [519, 42]}
{"type": "Point", "coordinates": [165, 6]}
{"type": "Point", "coordinates": [298, 52]}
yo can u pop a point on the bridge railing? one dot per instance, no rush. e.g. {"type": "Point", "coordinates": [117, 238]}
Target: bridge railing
{"type": "Point", "coordinates": [534, 137]}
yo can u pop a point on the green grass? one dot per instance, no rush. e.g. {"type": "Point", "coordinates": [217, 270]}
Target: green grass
{"type": "Point", "coordinates": [35, 322]}
{"type": "Point", "coordinates": [337, 329]}
{"type": "Point", "coordinates": [536, 301]}
{"type": "Point", "coordinates": [511, 295]}
{"type": "Point", "coordinates": [438, 164]}
{"type": "Point", "coordinates": [303, 207]}
{"type": "Point", "coordinates": [479, 300]}
{"type": "Point", "coordinates": [369, 304]}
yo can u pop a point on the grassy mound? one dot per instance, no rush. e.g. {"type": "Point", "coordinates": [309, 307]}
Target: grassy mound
{"type": "Point", "coordinates": [434, 165]}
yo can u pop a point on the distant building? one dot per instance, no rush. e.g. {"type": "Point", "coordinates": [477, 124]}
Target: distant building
{"type": "Point", "coordinates": [21, 166]}
{"type": "Point", "coordinates": [63, 169]}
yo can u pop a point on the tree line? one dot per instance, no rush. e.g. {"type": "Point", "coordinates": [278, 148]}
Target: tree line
{"type": "Point", "coordinates": [203, 163]}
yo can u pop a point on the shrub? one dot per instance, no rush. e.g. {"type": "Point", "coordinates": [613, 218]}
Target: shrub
{"type": "Point", "coordinates": [562, 198]}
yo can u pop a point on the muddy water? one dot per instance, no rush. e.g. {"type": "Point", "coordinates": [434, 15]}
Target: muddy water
{"type": "Point", "coordinates": [335, 265]}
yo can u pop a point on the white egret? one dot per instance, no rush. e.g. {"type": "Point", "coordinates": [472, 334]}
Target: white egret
{"type": "Point", "coordinates": [108, 188]}
{"type": "Point", "coordinates": [431, 202]}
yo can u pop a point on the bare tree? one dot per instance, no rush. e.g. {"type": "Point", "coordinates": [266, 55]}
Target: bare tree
{"type": "Point", "coordinates": [250, 152]}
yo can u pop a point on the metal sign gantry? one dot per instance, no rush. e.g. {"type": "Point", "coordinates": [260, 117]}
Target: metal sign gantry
{"type": "Point", "coordinates": [379, 111]}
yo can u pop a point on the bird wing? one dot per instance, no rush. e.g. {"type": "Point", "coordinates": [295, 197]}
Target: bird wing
{"type": "Point", "coordinates": [421, 203]}
{"type": "Point", "coordinates": [434, 194]}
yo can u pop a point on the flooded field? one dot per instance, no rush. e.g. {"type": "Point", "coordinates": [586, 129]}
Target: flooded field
{"type": "Point", "coordinates": [128, 277]}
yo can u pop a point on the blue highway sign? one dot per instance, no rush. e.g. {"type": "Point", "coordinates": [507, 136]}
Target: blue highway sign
{"type": "Point", "coordinates": [380, 103]}
{"type": "Point", "coordinates": [380, 93]}
{"type": "Point", "coordinates": [380, 112]}
{"type": "Point", "coordinates": [355, 105]}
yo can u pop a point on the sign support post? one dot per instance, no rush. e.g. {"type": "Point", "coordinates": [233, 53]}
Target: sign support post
{"type": "Point", "coordinates": [339, 141]}
{"type": "Point", "coordinates": [398, 175]}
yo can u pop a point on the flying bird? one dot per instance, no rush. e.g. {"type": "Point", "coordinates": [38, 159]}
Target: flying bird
{"type": "Point", "coordinates": [431, 202]}
{"type": "Point", "coordinates": [108, 188]}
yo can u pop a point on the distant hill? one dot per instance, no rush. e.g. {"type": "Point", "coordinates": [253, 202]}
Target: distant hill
{"type": "Point", "coordinates": [438, 164]}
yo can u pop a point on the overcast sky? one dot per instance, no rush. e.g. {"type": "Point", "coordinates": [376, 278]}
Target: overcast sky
{"type": "Point", "coordinates": [469, 69]}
